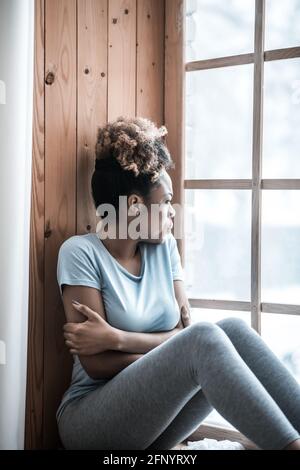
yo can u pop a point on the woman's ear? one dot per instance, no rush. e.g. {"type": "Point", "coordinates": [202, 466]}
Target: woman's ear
{"type": "Point", "coordinates": [133, 203]}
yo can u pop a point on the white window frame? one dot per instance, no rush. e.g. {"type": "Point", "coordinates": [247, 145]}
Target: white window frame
{"type": "Point", "coordinates": [256, 184]}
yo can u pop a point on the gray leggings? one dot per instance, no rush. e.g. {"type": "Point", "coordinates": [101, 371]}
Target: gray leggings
{"type": "Point", "coordinates": [161, 398]}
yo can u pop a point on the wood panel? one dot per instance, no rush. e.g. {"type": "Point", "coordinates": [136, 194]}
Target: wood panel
{"type": "Point", "coordinates": [60, 193]}
{"type": "Point", "coordinates": [121, 96]}
{"type": "Point", "coordinates": [175, 103]}
{"type": "Point", "coordinates": [150, 60]}
{"type": "Point", "coordinates": [87, 70]}
{"type": "Point", "coordinates": [91, 101]}
{"type": "Point", "coordinates": [35, 382]}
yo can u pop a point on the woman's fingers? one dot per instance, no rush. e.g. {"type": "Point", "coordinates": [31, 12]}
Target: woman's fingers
{"type": "Point", "coordinates": [74, 351]}
{"type": "Point", "coordinates": [69, 336]}
{"type": "Point", "coordinates": [88, 312]}
{"type": "Point", "coordinates": [70, 327]}
{"type": "Point", "coordinates": [72, 348]}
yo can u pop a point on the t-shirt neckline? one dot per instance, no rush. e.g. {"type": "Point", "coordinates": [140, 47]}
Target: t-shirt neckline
{"type": "Point", "coordinates": [120, 267]}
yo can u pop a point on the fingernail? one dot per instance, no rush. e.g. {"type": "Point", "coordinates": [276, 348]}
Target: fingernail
{"type": "Point", "coordinates": [75, 302]}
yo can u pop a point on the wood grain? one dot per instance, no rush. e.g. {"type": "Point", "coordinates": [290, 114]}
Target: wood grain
{"type": "Point", "coordinates": [150, 60]}
{"type": "Point", "coordinates": [60, 195]}
{"type": "Point", "coordinates": [92, 80]}
{"type": "Point", "coordinates": [35, 367]}
{"type": "Point", "coordinates": [121, 96]}
{"type": "Point", "coordinates": [87, 70]}
{"type": "Point", "coordinates": [175, 104]}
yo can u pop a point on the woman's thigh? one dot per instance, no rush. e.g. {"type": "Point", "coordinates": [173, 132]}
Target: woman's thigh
{"type": "Point", "coordinates": [136, 405]}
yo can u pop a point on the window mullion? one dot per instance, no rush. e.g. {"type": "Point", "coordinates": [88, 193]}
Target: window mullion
{"type": "Point", "coordinates": [257, 165]}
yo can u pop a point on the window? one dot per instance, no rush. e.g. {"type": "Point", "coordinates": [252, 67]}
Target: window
{"type": "Point", "coordinates": [242, 168]}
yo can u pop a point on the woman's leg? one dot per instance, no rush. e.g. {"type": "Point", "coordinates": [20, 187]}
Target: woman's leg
{"type": "Point", "coordinates": [185, 423]}
{"type": "Point", "coordinates": [270, 371]}
{"type": "Point", "coordinates": [274, 376]}
{"type": "Point", "coordinates": [135, 407]}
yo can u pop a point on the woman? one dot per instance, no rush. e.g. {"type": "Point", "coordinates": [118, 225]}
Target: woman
{"type": "Point", "coordinates": [144, 377]}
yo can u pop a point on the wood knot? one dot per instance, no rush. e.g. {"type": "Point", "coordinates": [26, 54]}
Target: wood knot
{"type": "Point", "coordinates": [48, 233]}
{"type": "Point", "coordinates": [48, 230]}
{"type": "Point", "coordinates": [50, 78]}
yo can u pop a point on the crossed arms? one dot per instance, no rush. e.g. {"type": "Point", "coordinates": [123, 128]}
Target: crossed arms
{"type": "Point", "coordinates": [104, 350]}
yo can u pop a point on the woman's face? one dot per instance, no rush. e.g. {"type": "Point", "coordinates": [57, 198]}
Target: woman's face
{"type": "Point", "coordinates": [160, 210]}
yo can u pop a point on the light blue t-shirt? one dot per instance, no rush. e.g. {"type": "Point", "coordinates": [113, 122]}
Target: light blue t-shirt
{"type": "Point", "coordinates": [143, 303]}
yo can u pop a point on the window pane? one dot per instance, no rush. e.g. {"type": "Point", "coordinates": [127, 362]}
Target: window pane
{"type": "Point", "coordinates": [219, 123]}
{"type": "Point", "coordinates": [281, 155]}
{"type": "Point", "coordinates": [281, 333]}
{"type": "Point", "coordinates": [282, 24]}
{"type": "Point", "coordinates": [212, 315]}
{"type": "Point", "coordinates": [215, 28]}
{"type": "Point", "coordinates": [217, 248]}
{"type": "Point", "coordinates": [281, 247]}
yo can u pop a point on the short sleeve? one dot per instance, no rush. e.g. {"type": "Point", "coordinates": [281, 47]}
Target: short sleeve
{"type": "Point", "coordinates": [177, 270]}
{"type": "Point", "coordinates": [75, 265]}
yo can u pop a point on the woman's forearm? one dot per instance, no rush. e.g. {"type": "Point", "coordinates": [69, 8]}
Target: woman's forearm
{"type": "Point", "coordinates": [127, 347]}
{"type": "Point", "coordinates": [136, 342]}
{"type": "Point", "coordinates": [107, 364]}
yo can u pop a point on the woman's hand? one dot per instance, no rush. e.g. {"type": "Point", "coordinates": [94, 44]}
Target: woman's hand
{"type": "Point", "coordinates": [185, 316]}
{"type": "Point", "coordinates": [92, 336]}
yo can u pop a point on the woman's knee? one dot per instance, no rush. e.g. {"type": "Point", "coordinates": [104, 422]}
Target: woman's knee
{"type": "Point", "coordinates": [206, 333]}
{"type": "Point", "coordinates": [233, 324]}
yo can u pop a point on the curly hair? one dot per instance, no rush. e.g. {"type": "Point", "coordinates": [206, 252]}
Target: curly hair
{"type": "Point", "coordinates": [130, 155]}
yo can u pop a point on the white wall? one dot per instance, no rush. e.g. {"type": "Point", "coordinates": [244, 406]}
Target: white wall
{"type": "Point", "coordinates": [16, 76]}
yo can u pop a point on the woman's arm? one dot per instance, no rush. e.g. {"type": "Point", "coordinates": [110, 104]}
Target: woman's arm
{"type": "Point", "coordinates": [83, 339]}
{"type": "Point", "coordinates": [183, 302]}
{"type": "Point", "coordinates": [107, 363]}
{"type": "Point", "coordinates": [129, 341]}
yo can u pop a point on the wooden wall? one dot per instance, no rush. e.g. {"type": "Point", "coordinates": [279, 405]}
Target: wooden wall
{"type": "Point", "coordinates": [94, 61]}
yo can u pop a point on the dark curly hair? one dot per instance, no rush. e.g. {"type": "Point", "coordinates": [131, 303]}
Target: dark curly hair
{"type": "Point", "coordinates": [130, 155]}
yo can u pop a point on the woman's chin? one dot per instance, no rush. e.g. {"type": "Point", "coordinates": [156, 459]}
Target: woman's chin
{"type": "Point", "coordinates": [158, 237]}
{"type": "Point", "coordinates": [161, 238]}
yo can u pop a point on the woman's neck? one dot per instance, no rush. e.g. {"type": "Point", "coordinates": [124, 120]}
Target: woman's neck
{"type": "Point", "coordinates": [123, 249]}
